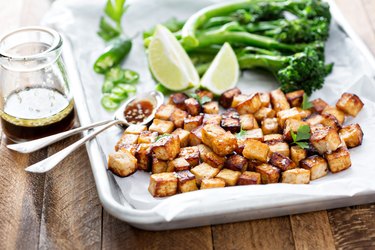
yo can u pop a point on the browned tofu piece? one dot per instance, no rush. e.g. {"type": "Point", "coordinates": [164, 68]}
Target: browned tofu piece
{"type": "Point", "coordinates": [209, 157]}
{"type": "Point", "coordinates": [338, 160]}
{"type": "Point", "coordinates": [232, 113]}
{"type": "Point", "coordinates": [159, 166]}
{"type": "Point", "coordinates": [126, 139]}
{"type": "Point", "coordinates": [317, 166]}
{"type": "Point", "coordinates": [191, 155]}
{"type": "Point", "coordinates": [161, 126]}
{"type": "Point", "coordinates": [268, 173]}
{"type": "Point", "coordinates": [325, 139]}
{"type": "Point", "coordinates": [178, 164]}
{"type": "Point", "coordinates": [226, 98]}
{"type": "Point", "coordinates": [279, 101]}
{"type": "Point", "coordinates": [195, 137]}
{"type": "Point", "coordinates": [167, 147]}
{"type": "Point", "coordinates": [264, 113]}
{"type": "Point", "coordinates": [135, 129]}
{"type": "Point", "coordinates": [297, 154]}
{"type": "Point", "coordinates": [314, 119]}
{"type": "Point", "coordinates": [192, 106]}
{"type": "Point", "coordinates": [221, 142]}
{"type": "Point", "coordinates": [178, 117]}
{"type": "Point", "coordinates": [122, 163]}
{"type": "Point", "coordinates": [352, 135]}
{"type": "Point", "coordinates": [212, 183]}
{"type": "Point", "coordinates": [256, 134]}
{"type": "Point", "coordinates": [204, 171]}
{"type": "Point", "coordinates": [351, 104]}
{"type": "Point", "coordinates": [270, 126]}
{"type": "Point", "coordinates": [292, 125]}
{"type": "Point", "coordinates": [282, 162]}
{"type": "Point", "coordinates": [183, 135]}
{"type": "Point", "coordinates": [236, 163]}
{"type": "Point", "coordinates": [186, 181]}
{"type": "Point", "coordinates": [251, 105]}
{"type": "Point", "coordinates": [304, 113]}
{"type": "Point", "coordinates": [144, 156]}
{"type": "Point", "coordinates": [330, 121]}
{"type": "Point", "coordinates": [229, 176]}
{"type": "Point", "coordinates": [256, 150]}
{"type": "Point", "coordinates": [131, 148]}
{"type": "Point", "coordinates": [273, 138]}
{"type": "Point", "coordinates": [318, 105]}
{"type": "Point", "coordinates": [231, 124]}
{"type": "Point", "coordinates": [249, 178]}
{"type": "Point", "coordinates": [211, 107]}
{"type": "Point", "coordinates": [265, 99]}
{"type": "Point", "coordinates": [252, 164]}
{"type": "Point", "coordinates": [193, 122]}
{"type": "Point", "coordinates": [204, 93]}
{"type": "Point", "coordinates": [211, 119]}
{"type": "Point", "coordinates": [279, 147]}
{"type": "Point", "coordinates": [163, 184]}
{"type": "Point", "coordinates": [147, 137]}
{"type": "Point", "coordinates": [203, 150]}
{"type": "Point", "coordinates": [296, 176]}
{"type": "Point", "coordinates": [164, 112]}
{"type": "Point", "coordinates": [332, 110]}
{"type": "Point", "coordinates": [248, 122]}
{"type": "Point", "coordinates": [238, 99]}
{"type": "Point", "coordinates": [283, 115]}
{"type": "Point", "coordinates": [178, 100]}
{"type": "Point", "coordinates": [295, 98]}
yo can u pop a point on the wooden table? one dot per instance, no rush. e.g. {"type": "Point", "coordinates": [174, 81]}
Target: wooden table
{"type": "Point", "coordinates": [61, 209]}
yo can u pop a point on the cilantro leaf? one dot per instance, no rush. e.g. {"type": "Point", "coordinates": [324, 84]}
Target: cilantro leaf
{"type": "Point", "coordinates": [202, 100]}
{"type": "Point", "coordinates": [303, 133]}
{"type": "Point", "coordinates": [304, 145]}
{"type": "Point", "coordinates": [241, 134]}
{"type": "Point", "coordinates": [306, 104]}
{"type": "Point", "coordinates": [294, 136]}
{"type": "Point", "coordinates": [161, 136]}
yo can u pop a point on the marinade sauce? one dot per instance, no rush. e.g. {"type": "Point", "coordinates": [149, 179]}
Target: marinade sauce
{"type": "Point", "coordinates": [137, 111]}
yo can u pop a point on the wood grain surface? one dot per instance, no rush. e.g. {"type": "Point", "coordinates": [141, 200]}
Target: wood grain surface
{"type": "Point", "coordinates": [61, 209]}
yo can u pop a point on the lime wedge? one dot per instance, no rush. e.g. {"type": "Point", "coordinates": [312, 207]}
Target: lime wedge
{"type": "Point", "coordinates": [169, 63]}
{"type": "Point", "coordinates": [223, 72]}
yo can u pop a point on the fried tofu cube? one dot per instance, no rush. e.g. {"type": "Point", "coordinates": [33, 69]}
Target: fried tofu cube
{"type": "Point", "coordinates": [256, 150]}
{"type": "Point", "coordinates": [203, 150]}
{"type": "Point", "coordinates": [296, 176]}
{"type": "Point", "coordinates": [158, 166]}
{"type": "Point", "coordinates": [211, 119]}
{"type": "Point", "coordinates": [317, 166]}
{"type": "Point", "coordinates": [264, 113]}
{"type": "Point", "coordinates": [191, 155]}
{"type": "Point", "coordinates": [122, 163]}
{"type": "Point", "coordinates": [249, 178]}
{"type": "Point", "coordinates": [161, 126]}
{"type": "Point", "coordinates": [270, 126]}
{"type": "Point", "coordinates": [221, 142]}
{"type": "Point", "coordinates": [351, 104]}
{"type": "Point", "coordinates": [163, 184]}
{"type": "Point", "coordinates": [279, 101]}
{"type": "Point", "coordinates": [135, 129]}
{"type": "Point", "coordinates": [330, 121]}
{"type": "Point", "coordinates": [332, 110]}
{"type": "Point", "coordinates": [251, 105]}
{"type": "Point", "coordinates": [256, 134]}
{"type": "Point", "coordinates": [292, 125]}
{"type": "Point", "coordinates": [126, 139]}
{"type": "Point", "coordinates": [238, 99]}
{"type": "Point", "coordinates": [231, 113]}
{"type": "Point", "coordinates": [325, 140]}
{"type": "Point", "coordinates": [295, 98]}
{"type": "Point", "coordinates": [195, 137]}
{"type": "Point", "coordinates": [282, 162]}
{"type": "Point", "coordinates": [183, 135]}
{"type": "Point", "coordinates": [204, 93]}
{"type": "Point", "coordinates": [131, 148]}
{"type": "Point", "coordinates": [265, 99]}
{"type": "Point", "coordinates": [193, 122]}
{"type": "Point", "coordinates": [279, 147]}
{"type": "Point", "coordinates": [268, 173]}
{"type": "Point", "coordinates": [248, 122]}
{"type": "Point", "coordinates": [178, 100]}
{"type": "Point", "coordinates": [204, 171]}
{"type": "Point", "coordinates": [211, 107]}
{"type": "Point", "coordinates": [178, 164]}
{"type": "Point", "coordinates": [352, 135]}
{"type": "Point", "coordinates": [231, 124]}
{"type": "Point", "coordinates": [147, 137]}
{"type": "Point", "coordinates": [167, 147]}
{"type": "Point", "coordinates": [338, 160]}
{"type": "Point", "coordinates": [186, 181]}
{"type": "Point", "coordinates": [304, 113]}
{"type": "Point", "coordinates": [236, 163]}
{"type": "Point", "coordinates": [283, 115]}
{"type": "Point", "coordinates": [273, 138]}
{"type": "Point", "coordinates": [212, 183]}
{"type": "Point", "coordinates": [226, 98]}
{"type": "Point", "coordinates": [252, 164]}
{"type": "Point", "coordinates": [318, 105]}
{"type": "Point", "coordinates": [192, 106]}
{"type": "Point", "coordinates": [178, 117]}
{"type": "Point", "coordinates": [314, 119]}
{"type": "Point", "coordinates": [144, 156]}
{"type": "Point", "coordinates": [297, 154]}
{"type": "Point", "coordinates": [209, 157]}
{"type": "Point", "coordinates": [229, 176]}
{"type": "Point", "coordinates": [164, 112]}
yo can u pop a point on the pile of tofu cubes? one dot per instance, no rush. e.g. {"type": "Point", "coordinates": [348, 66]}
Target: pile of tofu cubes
{"type": "Point", "coordinates": [192, 145]}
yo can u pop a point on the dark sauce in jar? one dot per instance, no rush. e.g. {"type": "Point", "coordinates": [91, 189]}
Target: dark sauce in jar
{"type": "Point", "coordinates": [137, 111]}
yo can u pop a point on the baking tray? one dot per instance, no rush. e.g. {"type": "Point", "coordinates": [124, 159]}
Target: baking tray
{"type": "Point", "coordinates": [171, 213]}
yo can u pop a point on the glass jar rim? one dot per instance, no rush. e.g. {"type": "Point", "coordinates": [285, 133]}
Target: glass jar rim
{"type": "Point", "coordinates": [55, 45]}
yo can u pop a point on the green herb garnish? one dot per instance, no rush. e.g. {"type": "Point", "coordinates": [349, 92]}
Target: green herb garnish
{"type": "Point", "coordinates": [241, 134]}
{"type": "Point", "coordinates": [306, 104]}
{"type": "Point", "coordinates": [202, 100]}
{"type": "Point", "coordinates": [303, 134]}
{"type": "Point", "coordinates": [161, 136]}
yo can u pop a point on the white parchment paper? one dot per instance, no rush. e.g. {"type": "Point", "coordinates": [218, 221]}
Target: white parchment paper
{"type": "Point", "coordinates": [79, 20]}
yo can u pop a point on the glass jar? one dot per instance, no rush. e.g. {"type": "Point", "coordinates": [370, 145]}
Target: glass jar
{"type": "Point", "coordinates": [34, 94]}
